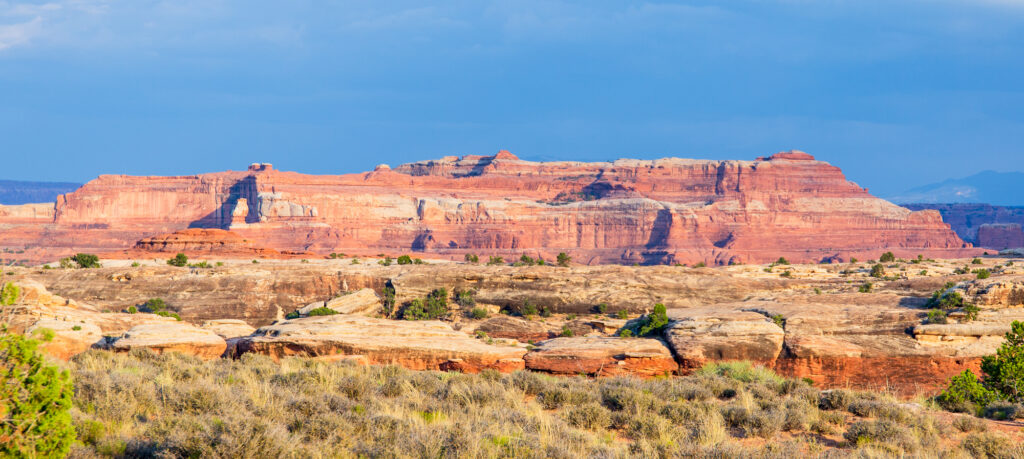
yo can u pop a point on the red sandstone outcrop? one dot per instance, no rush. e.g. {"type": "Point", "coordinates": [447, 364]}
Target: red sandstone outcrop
{"type": "Point", "coordinates": [602, 356]}
{"type": "Point", "coordinates": [661, 211]}
{"type": "Point", "coordinates": [418, 345]}
{"type": "Point", "coordinates": [195, 240]}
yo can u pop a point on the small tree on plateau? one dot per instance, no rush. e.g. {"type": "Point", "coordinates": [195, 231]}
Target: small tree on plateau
{"type": "Point", "coordinates": [1004, 372]}
{"type": "Point", "coordinates": [180, 260]}
{"type": "Point", "coordinates": [86, 260]}
{"type": "Point", "coordinates": [563, 259]}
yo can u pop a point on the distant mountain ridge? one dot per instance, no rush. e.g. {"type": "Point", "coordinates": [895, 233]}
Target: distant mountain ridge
{"type": "Point", "coordinates": [13, 192]}
{"type": "Point", "coordinates": [990, 187]}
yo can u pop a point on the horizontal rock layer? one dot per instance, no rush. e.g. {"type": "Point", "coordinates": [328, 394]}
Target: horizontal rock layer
{"type": "Point", "coordinates": [661, 211]}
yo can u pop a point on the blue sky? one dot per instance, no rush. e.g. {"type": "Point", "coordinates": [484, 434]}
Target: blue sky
{"type": "Point", "coordinates": [898, 94]}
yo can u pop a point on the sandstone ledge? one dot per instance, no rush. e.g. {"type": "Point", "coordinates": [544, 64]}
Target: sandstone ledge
{"type": "Point", "coordinates": [417, 345]}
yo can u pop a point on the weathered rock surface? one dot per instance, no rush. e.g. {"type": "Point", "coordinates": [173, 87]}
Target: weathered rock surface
{"type": "Point", "coordinates": [523, 330]}
{"type": "Point", "coordinates": [262, 293]}
{"type": "Point", "coordinates": [70, 338]}
{"type": "Point", "coordinates": [363, 302]}
{"type": "Point", "coordinates": [699, 336]}
{"type": "Point", "coordinates": [418, 345]}
{"type": "Point", "coordinates": [172, 337]}
{"type": "Point", "coordinates": [602, 356]}
{"type": "Point", "coordinates": [996, 292]}
{"type": "Point", "coordinates": [36, 304]}
{"type": "Point", "coordinates": [661, 211]}
{"type": "Point", "coordinates": [229, 328]}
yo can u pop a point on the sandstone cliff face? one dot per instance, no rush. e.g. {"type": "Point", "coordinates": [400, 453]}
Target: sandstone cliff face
{"type": "Point", "coordinates": [1001, 235]}
{"type": "Point", "coordinates": [661, 211]}
{"type": "Point", "coordinates": [983, 224]}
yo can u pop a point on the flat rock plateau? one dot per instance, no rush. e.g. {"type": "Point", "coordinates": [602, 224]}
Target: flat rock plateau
{"type": "Point", "coordinates": [805, 320]}
{"type": "Point", "coordinates": [662, 211]}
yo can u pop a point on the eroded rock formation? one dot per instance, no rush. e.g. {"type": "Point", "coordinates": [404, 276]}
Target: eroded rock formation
{"type": "Point", "coordinates": [660, 211]}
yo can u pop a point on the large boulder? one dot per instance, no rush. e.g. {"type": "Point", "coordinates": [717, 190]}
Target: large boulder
{"type": "Point", "coordinates": [69, 338]}
{"type": "Point", "coordinates": [172, 337]}
{"type": "Point", "coordinates": [417, 345]}
{"type": "Point", "coordinates": [602, 356]}
{"type": "Point", "coordinates": [363, 302]}
{"type": "Point", "coordinates": [699, 336]}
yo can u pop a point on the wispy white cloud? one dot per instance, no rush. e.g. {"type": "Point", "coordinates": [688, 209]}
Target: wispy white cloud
{"type": "Point", "coordinates": [19, 33]}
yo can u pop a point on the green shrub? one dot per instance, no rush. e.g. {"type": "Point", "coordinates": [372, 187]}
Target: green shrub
{"type": "Point", "coordinates": [404, 260]}
{"type": "Point", "coordinates": [887, 257]}
{"type": "Point", "coordinates": [983, 273]}
{"type": "Point", "coordinates": [653, 323]}
{"type": "Point", "coordinates": [528, 309]}
{"type": "Point", "coordinates": [35, 400]}
{"type": "Point", "coordinates": [292, 315]}
{"type": "Point", "coordinates": [971, 312]}
{"type": "Point", "coordinates": [67, 263]}
{"type": "Point", "coordinates": [465, 298]}
{"type": "Point", "coordinates": [965, 394]}
{"type": "Point", "coordinates": [478, 313]}
{"type": "Point", "coordinates": [779, 320]}
{"type": "Point", "coordinates": [742, 371]}
{"type": "Point", "coordinates": [878, 271]}
{"type": "Point", "coordinates": [563, 259]}
{"type": "Point", "coordinates": [782, 261]}
{"type": "Point", "coordinates": [386, 261]}
{"type": "Point", "coordinates": [525, 260]}
{"type": "Point", "coordinates": [86, 260]}
{"type": "Point", "coordinates": [153, 305]}
{"type": "Point", "coordinates": [601, 308]}
{"type": "Point", "coordinates": [865, 288]}
{"type": "Point", "coordinates": [321, 311]}
{"type": "Point", "coordinates": [566, 331]}
{"type": "Point", "coordinates": [987, 445]}
{"type": "Point", "coordinates": [936, 316]}
{"type": "Point", "coordinates": [1004, 411]}
{"type": "Point", "coordinates": [625, 333]}
{"type": "Point", "coordinates": [700, 265]}
{"type": "Point", "coordinates": [388, 302]}
{"type": "Point", "coordinates": [181, 260]}
{"type": "Point", "coordinates": [590, 416]}
{"type": "Point", "coordinates": [9, 294]}
{"type": "Point", "coordinates": [434, 306]}
{"type": "Point", "coordinates": [472, 258]}
{"type": "Point", "coordinates": [132, 310]}
{"type": "Point", "coordinates": [622, 314]}
{"type": "Point", "coordinates": [1004, 372]}
{"type": "Point", "coordinates": [976, 261]}
{"type": "Point", "coordinates": [495, 260]}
